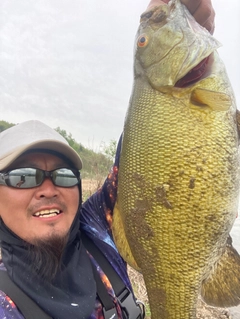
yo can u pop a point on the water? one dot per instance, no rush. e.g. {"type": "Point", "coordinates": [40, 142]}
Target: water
{"type": "Point", "coordinates": [235, 233]}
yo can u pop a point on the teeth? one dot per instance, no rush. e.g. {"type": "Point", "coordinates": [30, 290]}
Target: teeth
{"type": "Point", "coordinates": [47, 213]}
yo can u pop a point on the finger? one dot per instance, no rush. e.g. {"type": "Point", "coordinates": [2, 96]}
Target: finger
{"type": "Point", "coordinates": [201, 10]}
{"type": "Point", "coordinates": [205, 15]}
{"type": "Point", "coordinates": [192, 5]}
{"type": "Point", "coordinates": [209, 23]}
{"type": "Point", "coordinates": [154, 3]}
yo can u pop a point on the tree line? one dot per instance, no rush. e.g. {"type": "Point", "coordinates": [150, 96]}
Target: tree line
{"type": "Point", "coordinates": [96, 164]}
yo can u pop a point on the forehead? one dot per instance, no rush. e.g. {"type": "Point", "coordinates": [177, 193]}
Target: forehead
{"type": "Point", "coordinates": [39, 159]}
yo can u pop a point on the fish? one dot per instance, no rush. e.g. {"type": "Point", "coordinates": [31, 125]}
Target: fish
{"type": "Point", "coordinates": [178, 178]}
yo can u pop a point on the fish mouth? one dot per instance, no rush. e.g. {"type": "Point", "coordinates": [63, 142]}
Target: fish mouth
{"type": "Point", "coordinates": [195, 74]}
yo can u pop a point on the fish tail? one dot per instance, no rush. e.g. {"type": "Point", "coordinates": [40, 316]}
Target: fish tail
{"type": "Point", "coordinates": [222, 288]}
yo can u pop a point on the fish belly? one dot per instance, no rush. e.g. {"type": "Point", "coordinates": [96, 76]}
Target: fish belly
{"type": "Point", "coordinates": [177, 195]}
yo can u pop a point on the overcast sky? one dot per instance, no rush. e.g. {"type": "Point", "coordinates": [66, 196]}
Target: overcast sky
{"type": "Point", "coordinates": [69, 63]}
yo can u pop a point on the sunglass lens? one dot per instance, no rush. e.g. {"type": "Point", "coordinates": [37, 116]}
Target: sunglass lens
{"type": "Point", "coordinates": [25, 177]}
{"type": "Point", "coordinates": [64, 177]}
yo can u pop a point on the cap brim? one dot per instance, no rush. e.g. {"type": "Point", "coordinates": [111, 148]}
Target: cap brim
{"type": "Point", "coordinates": [48, 144]}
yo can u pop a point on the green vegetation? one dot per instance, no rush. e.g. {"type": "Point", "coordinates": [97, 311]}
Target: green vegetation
{"type": "Point", "coordinates": [110, 150]}
{"type": "Point", "coordinates": [95, 164]}
{"type": "Point", "coordinates": [4, 125]}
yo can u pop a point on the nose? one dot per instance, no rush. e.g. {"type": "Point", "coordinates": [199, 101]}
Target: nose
{"type": "Point", "coordinates": [46, 189]}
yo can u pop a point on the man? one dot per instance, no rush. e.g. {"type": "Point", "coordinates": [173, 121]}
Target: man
{"type": "Point", "coordinates": [40, 230]}
{"type": "Point", "coordinates": [42, 251]}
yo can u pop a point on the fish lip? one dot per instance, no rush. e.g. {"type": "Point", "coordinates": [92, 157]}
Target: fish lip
{"type": "Point", "coordinates": [156, 14]}
{"type": "Point", "coordinates": [57, 209]}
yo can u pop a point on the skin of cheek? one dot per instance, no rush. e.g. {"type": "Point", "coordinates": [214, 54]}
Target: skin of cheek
{"type": "Point", "coordinates": [17, 207]}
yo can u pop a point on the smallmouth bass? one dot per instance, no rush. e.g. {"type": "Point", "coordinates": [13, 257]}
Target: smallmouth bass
{"type": "Point", "coordinates": [178, 187]}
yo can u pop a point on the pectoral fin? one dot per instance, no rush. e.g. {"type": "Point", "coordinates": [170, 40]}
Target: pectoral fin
{"type": "Point", "coordinates": [121, 240]}
{"type": "Point", "coordinates": [215, 100]}
{"type": "Point", "coordinates": [222, 288]}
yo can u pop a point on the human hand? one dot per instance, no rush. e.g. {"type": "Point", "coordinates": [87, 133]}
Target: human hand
{"type": "Point", "coordinates": [201, 10]}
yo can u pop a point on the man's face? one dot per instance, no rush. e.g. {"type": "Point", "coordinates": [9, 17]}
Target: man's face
{"type": "Point", "coordinates": [20, 208]}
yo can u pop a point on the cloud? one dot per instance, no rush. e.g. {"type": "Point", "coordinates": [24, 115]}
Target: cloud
{"type": "Point", "coordinates": [70, 65]}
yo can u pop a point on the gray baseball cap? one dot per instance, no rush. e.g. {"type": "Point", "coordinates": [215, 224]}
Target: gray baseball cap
{"type": "Point", "coordinates": [32, 135]}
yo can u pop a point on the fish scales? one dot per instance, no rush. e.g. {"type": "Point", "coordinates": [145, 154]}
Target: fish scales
{"type": "Point", "coordinates": [173, 179]}
{"type": "Point", "coordinates": [178, 179]}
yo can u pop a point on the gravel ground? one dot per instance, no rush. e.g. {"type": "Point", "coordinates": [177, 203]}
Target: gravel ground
{"type": "Point", "coordinates": [206, 312]}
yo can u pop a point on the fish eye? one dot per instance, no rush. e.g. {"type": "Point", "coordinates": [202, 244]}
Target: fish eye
{"type": "Point", "coordinates": [142, 41]}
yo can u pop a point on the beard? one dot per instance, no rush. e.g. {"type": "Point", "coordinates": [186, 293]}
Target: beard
{"type": "Point", "coordinates": [45, 256]}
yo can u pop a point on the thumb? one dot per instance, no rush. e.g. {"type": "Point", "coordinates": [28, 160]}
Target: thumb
{"type": "Point", "coordinates": [154, 3]}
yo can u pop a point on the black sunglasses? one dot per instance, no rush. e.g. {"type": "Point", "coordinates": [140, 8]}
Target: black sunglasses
{"type": "Point", "coordinates": [28, 177]}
